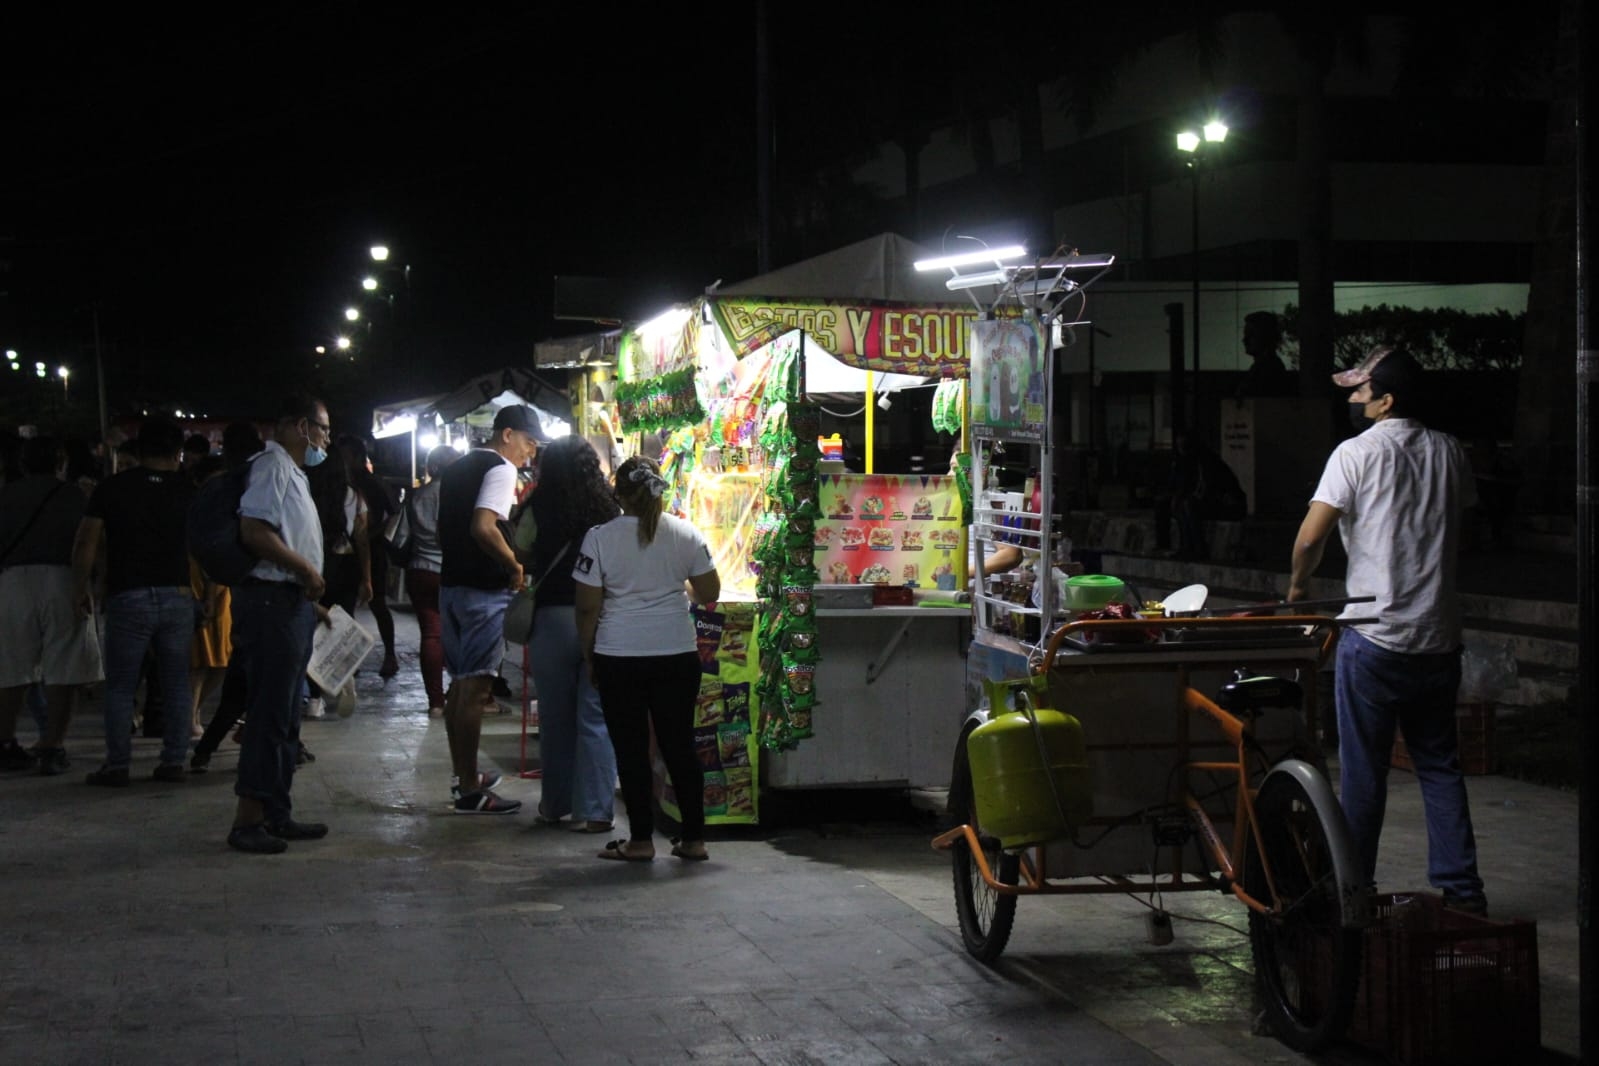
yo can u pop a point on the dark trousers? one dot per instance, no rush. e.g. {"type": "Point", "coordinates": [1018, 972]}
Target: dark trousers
{"type": "Point", "coordinates": [422, 586]}
{"type": "Point", "coordinates": [638, 692]}
{"type": "Point", "coordinates": [272, 630]}
{"type": "Point", "coordinates": [230, 708]}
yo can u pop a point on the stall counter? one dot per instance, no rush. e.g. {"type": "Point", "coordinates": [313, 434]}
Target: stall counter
{"type": "Point", "coordinates": [891, 680]}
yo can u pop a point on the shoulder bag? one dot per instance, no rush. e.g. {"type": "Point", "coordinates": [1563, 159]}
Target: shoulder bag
{"type": "Point", "coordinates": [519, 615]}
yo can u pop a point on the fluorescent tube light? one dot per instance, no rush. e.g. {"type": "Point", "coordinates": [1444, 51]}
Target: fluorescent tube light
{"type": "Point", "coordinates": [986, 255]}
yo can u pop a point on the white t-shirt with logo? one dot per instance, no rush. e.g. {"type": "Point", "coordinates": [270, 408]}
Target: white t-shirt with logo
{"type": "Point", "coordinates": [1401, 488]}
{"type": "Point", "coordinates": [645, 611]}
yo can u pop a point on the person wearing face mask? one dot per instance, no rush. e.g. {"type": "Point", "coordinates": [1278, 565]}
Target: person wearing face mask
{"type": "Point", "coordinates": [274, 616]}
{"type": "Point", "coordinates": [1397, 493]}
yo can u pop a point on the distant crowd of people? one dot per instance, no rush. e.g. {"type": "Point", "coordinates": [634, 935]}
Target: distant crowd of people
{"type": "Point", "coordinates": [95, 558]}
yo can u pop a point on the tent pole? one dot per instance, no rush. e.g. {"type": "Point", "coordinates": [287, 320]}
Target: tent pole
{"type": "Point", "coordinates": [413, 454]}
{"type": "Point", "coordinates": [871, 423]}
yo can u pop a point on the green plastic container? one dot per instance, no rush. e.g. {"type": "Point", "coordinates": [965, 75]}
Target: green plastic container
{"type": "Point", "coordinates": [1089, 592]}
{"type": "Point", "coordinates": [1010, 785]}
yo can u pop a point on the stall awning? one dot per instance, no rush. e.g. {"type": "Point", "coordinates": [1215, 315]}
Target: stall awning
{"type": "Point", "coordinates": [866, 304]}
{"type": "Point", "coordinates": [481, 392]}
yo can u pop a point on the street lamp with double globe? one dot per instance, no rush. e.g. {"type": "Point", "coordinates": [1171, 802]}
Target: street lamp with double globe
{"type": "Point", "coordinates": [1196, 146]}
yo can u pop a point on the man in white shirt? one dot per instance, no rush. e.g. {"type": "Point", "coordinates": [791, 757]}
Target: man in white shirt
{"type": "Point", "coordinates": [479, 574]}
{"type": "Point", "coordinates": [274, 618]}
{"type": "Point", "coordinates": [1396, 493]}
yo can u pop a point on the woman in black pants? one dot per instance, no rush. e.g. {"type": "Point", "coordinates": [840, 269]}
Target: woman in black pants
{"type": "Point", "coordinates": [635, 631]}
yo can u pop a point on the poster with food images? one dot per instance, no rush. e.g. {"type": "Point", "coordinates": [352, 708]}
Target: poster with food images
{"type": "Point", "coordinates": [891, 529]}
{"type": "Point", "coordinates": [725, 715]}
{"type": "Point", "coordinates": [1008, 368]}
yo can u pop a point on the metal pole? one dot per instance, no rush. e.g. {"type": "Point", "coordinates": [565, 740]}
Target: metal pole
{"type": "Point", "coordinates": [1194, 163]}
{"type": "Point", "coordinates": [763, 143]}
{"type": "Point", "coordinates": [99, 380]}
{"type": "Point", "coordinates": [1587, 499]}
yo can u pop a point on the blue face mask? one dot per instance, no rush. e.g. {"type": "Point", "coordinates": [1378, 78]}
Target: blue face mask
{"type": "Point", "coordinates": [315, 456]}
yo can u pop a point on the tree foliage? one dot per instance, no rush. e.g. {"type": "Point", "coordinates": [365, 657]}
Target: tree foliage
{"type": "Point", "coordinates": [1441, 338]}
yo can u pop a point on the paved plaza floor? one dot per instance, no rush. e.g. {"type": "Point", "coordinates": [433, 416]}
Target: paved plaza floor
{"type": "Point", "coordinates": [133, 934]}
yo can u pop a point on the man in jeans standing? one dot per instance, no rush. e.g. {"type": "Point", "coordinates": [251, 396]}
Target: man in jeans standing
{"type": "Point", "coordinates": [1397, 492]}
{"type": "Point", "coordinates": [479, 575]}
{"type": "Point", "coordinates": [274, 618]}
{"type": "Point", "coordinates": [139, 514]}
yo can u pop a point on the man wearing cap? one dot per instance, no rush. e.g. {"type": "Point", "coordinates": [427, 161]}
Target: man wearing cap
{"type": "Point", "coordinates": [479, 574]}
{"type": "Point", "coordinates": [1397, 492]}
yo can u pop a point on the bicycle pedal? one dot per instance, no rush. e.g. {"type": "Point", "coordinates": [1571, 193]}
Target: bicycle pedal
{"type": "Point", "coordinates": [1171, 830]}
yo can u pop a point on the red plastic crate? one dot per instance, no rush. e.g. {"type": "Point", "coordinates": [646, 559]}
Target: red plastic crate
{"type": "Point", "coordinates": [1440, 986]}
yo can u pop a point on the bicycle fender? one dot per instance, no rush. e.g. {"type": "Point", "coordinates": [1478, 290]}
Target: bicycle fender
{"type": "Point", "coordinates": [1354, 896]}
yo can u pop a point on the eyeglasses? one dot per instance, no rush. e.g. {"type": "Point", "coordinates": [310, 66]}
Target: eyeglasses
{"type": "Point", "coordinates": [323, 426]}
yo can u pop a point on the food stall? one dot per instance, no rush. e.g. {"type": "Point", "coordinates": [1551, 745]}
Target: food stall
{"type": "Point", "coordinates": [841, 636]}
{"type": "Point", "coordinates": [464, 415]}
{"type": "Point", "coordinates": [1119, 682]}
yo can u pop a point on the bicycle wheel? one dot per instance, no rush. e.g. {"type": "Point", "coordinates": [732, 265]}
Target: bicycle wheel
{"type": "Point", "coordinates": [1307, 964]}
{"type": "Point", "coordinates": [986, 916]}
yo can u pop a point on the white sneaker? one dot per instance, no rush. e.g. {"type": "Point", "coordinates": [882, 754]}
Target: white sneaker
{"type": "Point", "coordinates": [313, 708]}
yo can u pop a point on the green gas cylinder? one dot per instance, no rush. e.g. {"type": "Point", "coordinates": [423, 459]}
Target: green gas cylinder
{"type": "Point", "coordinates": [1010, 785]}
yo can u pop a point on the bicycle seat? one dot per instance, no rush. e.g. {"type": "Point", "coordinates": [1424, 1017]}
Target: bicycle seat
{"type": "Point", "coordinates": [1248, 693]}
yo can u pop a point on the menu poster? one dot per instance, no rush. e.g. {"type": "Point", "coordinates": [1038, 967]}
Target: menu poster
{"type": "Point", "coordinates": [1008, 367]}
{"type": "Point", "coordinates": [724, 717]}
{"type": "Point", "coordinates": [891, 529]}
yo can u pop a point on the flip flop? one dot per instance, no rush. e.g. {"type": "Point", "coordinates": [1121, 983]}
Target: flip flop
{"type": "Point", "coordinates": [590, 827]}
{"type": "Point", "coordinates": [680, 850]}
{"type": "Point", "coordinates": [616, 850]}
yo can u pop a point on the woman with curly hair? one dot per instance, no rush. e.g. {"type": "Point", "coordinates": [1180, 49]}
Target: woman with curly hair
{"type": "Point", "coordinates": [634, 624]}
{"type": "Point", "coordinates": [575, 751]}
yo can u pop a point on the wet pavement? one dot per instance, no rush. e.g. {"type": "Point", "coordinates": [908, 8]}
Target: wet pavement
{"type": "Point", "coordinates": [132, 934]}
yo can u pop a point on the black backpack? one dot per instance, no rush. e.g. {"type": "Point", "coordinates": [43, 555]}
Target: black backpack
{"type": "Point", "coordinates": [212, 529]}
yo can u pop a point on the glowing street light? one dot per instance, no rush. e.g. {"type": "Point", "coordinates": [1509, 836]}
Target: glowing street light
{"type": "Point", "coordinates": [380, 253]}
{"type": "Point", "coordinates": [1190, 143]}
{"type": "Point", "coordinates": [64, 374]}
{"type": "Point", "coordinates": [322, 349]}
{"type": "Point", "coordinates": [369, 284]}
{"type": "Point", "coordinates": [351, 314]}
{"type": "Point", "coordinates": [343, 344]}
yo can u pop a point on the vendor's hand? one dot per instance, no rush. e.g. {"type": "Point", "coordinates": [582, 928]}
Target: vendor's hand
{"type": "Point", "coordinates": [315, 586]}
{"type": "Point", "coordinates": [323, 615]}
{"type": "Point", "coordinates": [518, 578]}
{"type": "Point", "coordinates": [363, 596]}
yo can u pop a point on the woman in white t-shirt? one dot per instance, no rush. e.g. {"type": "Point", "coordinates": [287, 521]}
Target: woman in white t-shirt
{"type": "Point", "coordinates": [637, 635]}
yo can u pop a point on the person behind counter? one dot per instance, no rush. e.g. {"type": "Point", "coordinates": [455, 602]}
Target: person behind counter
{"type": "Point", "coordinates": [637, 635]}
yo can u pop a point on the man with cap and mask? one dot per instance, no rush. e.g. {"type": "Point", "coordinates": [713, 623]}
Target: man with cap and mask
{"type": "Point", "coordinates": [1397, 492]}
{"type": "Point", "coordinates": [479, 574]}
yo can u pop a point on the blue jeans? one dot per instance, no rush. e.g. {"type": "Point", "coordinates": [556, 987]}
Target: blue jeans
{"type": "Point", "coordinates": [1376, 690]}
{"type": "Point", "coordinates": [574, 749]}
{"type": "Point", "coordinates": [136, 619]}
{"type": "Point", "coordinates": [272, 629]}
{"type": "Point", "coordinates": [474, 629]}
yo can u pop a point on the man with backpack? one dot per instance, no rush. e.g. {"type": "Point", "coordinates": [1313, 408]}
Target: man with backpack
{"type": "Point", "coordinates": [274, 619]}
{"type": "Point", "coordinates": [479, 575]}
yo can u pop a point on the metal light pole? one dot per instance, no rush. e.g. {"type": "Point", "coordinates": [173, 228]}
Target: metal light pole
{"type": "Point", "coordinates": [1214, 132]}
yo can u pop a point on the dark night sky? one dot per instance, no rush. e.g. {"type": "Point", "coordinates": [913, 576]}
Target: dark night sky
{"type": "Point", "coordinates": [213, 185]}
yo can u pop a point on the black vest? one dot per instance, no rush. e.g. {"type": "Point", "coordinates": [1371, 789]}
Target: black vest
{"type": "Point", "coordinates": [466, 564]}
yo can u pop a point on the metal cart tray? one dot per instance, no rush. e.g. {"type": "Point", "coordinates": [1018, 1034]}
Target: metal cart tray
{"type": "Point", "coordinates": [1200, 640]}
